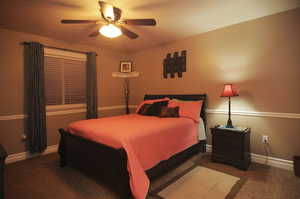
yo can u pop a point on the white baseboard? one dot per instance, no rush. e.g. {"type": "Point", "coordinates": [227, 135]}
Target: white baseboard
{"type": "Point", "coordinates": [274, 162]}
{"type": "Point", "coordinates": [26, 155]}
{"type": "Point", "coordinates": [271, 161]}
{"type": "Point", "coordinates": [208, 148]}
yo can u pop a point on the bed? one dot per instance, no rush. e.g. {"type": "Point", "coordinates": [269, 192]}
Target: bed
{"type": "Point", "coordinates": [109, 165]}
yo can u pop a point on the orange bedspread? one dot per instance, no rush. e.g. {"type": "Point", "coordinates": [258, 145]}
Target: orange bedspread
{"type": "Point", "coordinates": [146, 140]}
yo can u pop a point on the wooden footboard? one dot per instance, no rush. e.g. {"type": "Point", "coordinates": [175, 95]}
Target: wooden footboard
{"type": "Point", "coordinates": [109, 165]}
{"type": "Point", "coordinates": [99, 161]}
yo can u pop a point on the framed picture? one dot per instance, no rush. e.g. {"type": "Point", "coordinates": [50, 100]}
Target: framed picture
{"type": "Point", "coordinates": [126, 66]}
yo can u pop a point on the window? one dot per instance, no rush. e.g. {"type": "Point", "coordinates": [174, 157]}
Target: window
{"type": "Point", "coordinates": [65, 77]}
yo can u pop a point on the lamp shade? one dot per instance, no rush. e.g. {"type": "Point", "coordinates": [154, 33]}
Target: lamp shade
{"type": "Point", "coordinates": [228, 91]}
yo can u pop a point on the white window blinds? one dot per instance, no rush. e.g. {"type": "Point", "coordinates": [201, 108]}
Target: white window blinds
{"type": "Point", "coordinates": [74, 82]}
{"type": "Point", "coordinates": [65, 78]}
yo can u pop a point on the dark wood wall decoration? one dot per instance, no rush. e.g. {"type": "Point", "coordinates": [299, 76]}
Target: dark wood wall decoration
{"type": "Point", "coordinates": [175, 64]}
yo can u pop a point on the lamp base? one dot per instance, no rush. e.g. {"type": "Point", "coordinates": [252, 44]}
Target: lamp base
{"type": "Point", "coordinates": [229, 124]}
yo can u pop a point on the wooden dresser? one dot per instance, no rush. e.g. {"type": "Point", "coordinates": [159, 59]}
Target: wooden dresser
{"type": "Point", "coordinates": [231, 146]}
{"type": "Point", "coordinates": [3, 155]}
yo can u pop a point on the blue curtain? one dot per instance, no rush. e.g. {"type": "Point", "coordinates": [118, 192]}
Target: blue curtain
{"type": "Point", "coordinates": [35, 97]}
{"type": "Point", "coordinates": [91, 86]}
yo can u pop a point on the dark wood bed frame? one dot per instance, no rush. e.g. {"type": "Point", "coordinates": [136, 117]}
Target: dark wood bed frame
{"type": "Point", "coordinates": [109, 165]}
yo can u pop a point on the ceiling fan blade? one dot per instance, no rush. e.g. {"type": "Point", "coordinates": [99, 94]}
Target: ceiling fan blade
{"type": "Point", "coordinates": [94, 34]}
{"type": "Point", "coordinates": [70, 21]}
{"type": "Point", "coordinates": [109, 12]}
{"type": "Point", "coordinates": [102, 4]}
{"type": "Point", "coordinates": [140, 22]}
{"type": "Point", "coordinates": [117, 13]}
{"type": "Point", "coordinates": [128, 33]}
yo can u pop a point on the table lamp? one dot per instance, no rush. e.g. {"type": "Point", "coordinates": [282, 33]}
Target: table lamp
{"type": "Point", "coordinates": [229, 92]}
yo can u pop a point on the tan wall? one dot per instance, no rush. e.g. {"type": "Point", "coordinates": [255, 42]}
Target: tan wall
{"type": "Point", "coordinates": [12, 86]}
{"type": "Point", "coordinates": [261, 57]}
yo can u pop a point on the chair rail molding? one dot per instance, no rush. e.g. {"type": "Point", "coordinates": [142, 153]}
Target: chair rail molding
{"type": "Point", "coordinates": [11, 117]}
{"type": "Point", "coordinates": [208, 111]}
{"type": "Point", "coordinates": [65, 112]}
{"type": "Point", "coordinates": [255, 113]}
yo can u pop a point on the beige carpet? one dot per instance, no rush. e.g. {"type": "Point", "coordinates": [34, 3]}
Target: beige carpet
{"type": "Point", "coordinates": [201, 182]}
{"type": "Point", "coordinates": [42, 178]}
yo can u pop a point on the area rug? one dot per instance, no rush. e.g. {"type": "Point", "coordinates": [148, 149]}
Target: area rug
{"type": "Point", "coordinates": [199, 182]}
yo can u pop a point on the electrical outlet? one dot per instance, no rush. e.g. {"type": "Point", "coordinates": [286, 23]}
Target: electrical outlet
{"type": "Point", "coordinates": [24, 137]}
{"type": "Point", "coordinates": [265, 139]}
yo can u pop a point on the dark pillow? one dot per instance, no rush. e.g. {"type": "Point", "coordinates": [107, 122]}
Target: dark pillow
{"type": "Point", "coordinates": [144, 109]}
{"type": "Point", "coordinates": [154, 109]}
{"type": "Point", "coordinates": [169, 112]}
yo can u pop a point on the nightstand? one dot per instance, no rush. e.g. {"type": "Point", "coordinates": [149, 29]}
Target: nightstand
{"type": "Point", "coordinates": [3, 155]}
{"type": "Point", "coordinates": [231, 146]}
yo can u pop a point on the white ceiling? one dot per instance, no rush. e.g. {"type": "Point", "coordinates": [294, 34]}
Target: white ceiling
{"type": "Point", "coordinates": [176, 19]}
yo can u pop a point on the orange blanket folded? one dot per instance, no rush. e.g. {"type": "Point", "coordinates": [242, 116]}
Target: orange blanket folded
{"type": "Point", "coordinates": [147, 141]}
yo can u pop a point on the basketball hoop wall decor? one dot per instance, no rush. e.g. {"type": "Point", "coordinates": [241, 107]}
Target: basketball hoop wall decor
{"type": "Point", "coordinates": [175, 64]}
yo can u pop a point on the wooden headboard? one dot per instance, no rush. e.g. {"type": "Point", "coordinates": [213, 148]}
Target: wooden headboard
{"type": "Point", "coordinates": [191, 97]}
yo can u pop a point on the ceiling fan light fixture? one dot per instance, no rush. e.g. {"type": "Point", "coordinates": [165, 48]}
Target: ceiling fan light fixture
{"type": "Point", "coordinates": [110, 31]}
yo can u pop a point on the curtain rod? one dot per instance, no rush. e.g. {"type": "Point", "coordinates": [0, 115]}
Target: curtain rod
{"type": "Point", "coordinates": [64, 49]}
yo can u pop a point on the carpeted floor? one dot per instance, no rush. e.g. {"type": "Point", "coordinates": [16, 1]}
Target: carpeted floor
{"type": "Point", "coordinates": [42, 178]}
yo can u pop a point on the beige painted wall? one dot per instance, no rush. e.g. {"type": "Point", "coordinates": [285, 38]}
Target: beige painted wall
{"type": "Point", "coordinates": [261, 57]}
{"type": "Point", "coordinates": [12, 86]}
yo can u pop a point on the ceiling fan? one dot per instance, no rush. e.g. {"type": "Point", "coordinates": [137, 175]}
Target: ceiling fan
{"type": "Point", "coordinates": [113, 23]}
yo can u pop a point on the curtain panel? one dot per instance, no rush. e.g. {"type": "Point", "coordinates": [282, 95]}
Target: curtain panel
{"type": "Point", "coordinates": [91, 86]}
{"type": "Point", "coordinates": [35, 97]}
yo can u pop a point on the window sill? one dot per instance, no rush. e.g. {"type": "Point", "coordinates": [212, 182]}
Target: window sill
{"type": "Point", "coordinates": [53, 108]}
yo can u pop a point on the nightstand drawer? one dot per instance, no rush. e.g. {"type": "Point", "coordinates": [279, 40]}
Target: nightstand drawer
{"type": "Point", "coordinates": [228, 152]}
{"type": "Point", "coordinates": [228, 140]}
